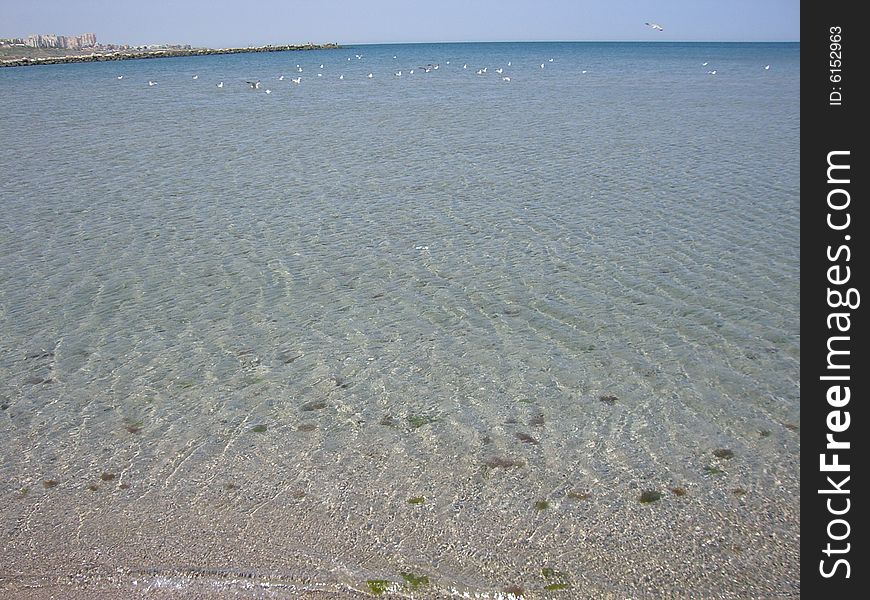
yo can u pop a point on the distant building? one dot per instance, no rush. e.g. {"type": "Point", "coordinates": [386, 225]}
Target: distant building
{"type": "Point", "coordinates": [72, 42]}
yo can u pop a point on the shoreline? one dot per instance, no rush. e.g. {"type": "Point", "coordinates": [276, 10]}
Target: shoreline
{"type": "Point", "coordinates": [54, 60]}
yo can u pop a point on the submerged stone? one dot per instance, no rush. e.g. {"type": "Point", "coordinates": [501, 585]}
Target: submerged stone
{"type": "Point", "coordinates": [259, 428]}
{"type": "Point", "coordinates": [723, 453]}
{"type": "Point", "coordinates": [416, 500]}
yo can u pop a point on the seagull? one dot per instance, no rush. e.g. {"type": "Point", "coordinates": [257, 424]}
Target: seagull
{"type": "Point", "coordinates": [713, 72]}
{"type": "Point", "coordinates": [296, 80]}
{"type": "Point", "coordinates": [704, 64]}
{"type": "Point", "coordinates": [655, 26]}
{"type": "Point", "coordinates": [394, 56]}
{"type": "Point", "coordinates": [221, 84]}
{"type": "Point", "coordinates": [499, 71]}
{"type": "Point", "coordinates": [370, 75]}
{"type": "Point", "coordinates": [150, 83]}
{"type": "Point", "coordinates": [268, 91]}
{"type": "Point", "coordinates": [196, 76]}
{"type": "Point", "coordinates": [767, 67]}
{"type": "Point", "coordinates": [509, 63]}
{"type": "Point", "coordinates": [255, 85]}
{"type": "Point", "coordinates": [484, 69]}
{"type": "Point", "coordinates": [411, 71]}
{"type": "Point", "coordinates": [120, 77]}
{"type": "Point", "coordinates": [584, 72]}
{"type": "Point", "coordinates": [299, 69]}
{"type": "Point", "coordinates": [448, 62]}
{"type": "Point", "coordinates": [280, 78]}
{"type": "Point", "coordinates": [464, 66]}
{"type": "Point", "coordinates": [320, 74]}
{"type": "Point", "coordinates": [358, 56]}
{"type": "Point", "coordinates": [436, 66]}
{"type": "Point", "coordinates": [542, 65]}
{"type": "Point", "coordinates": [321, 66]}
{"type": "Point", "coordinates": [505, 78]}
{"type": "Point", "coordinates": [480, 71]}
{"type": "Point", "coordinates": [341, 76]}
{"type": "Point", "coordinates": [551, 60]}
{"type": "Point", "coordinates": [398, 73]}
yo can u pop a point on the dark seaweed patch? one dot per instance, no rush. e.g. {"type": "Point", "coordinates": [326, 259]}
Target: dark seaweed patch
{"type": "Point", "coordinates": [500, 462]}
{"type": "Point", "coordinates": [314, 405]}
{"type": "Point", "coordinates": [259, 428]}
{"type": "Point", "coordinates": [378, 586]}
{"type": "Point", "coordinates": [608, 400]}
{"type": "Point", "coordinates": [723, 453]}
{"type": "Point", "coordinates": [526, 438]}
{"type": "Point", "coordinates": [417, 421]}
{"type": "Point", "coordinates": [415, 581]}
{"type": "Point", "coordinates": [648, 496]}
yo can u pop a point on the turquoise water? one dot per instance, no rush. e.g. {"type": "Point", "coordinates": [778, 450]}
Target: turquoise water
{"type": "Point", "coordinates": [422, 286]}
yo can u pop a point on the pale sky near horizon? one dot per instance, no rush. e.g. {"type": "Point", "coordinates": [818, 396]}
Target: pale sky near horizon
{"type": "Point", "coordinates": [222, 23]}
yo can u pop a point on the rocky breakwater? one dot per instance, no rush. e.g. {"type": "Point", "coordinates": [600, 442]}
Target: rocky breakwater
{"type": "Point", "coordinates": [159, 53]}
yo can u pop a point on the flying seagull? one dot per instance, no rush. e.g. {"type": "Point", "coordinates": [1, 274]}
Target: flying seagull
{"type": "Point", "coordinates": [655, 26]}
{"type": "Point", "coordinates": [255, 85]}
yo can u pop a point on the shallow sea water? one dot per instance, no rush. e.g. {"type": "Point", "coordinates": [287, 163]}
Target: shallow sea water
{"type": "Point", "coordinates": [257, 325]}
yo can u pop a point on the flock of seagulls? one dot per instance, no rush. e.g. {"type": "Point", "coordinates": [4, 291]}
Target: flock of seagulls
{"type": "Point", "coordinates": [256, 85]}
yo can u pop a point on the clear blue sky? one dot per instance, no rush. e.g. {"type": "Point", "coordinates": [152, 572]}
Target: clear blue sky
{"type": "Point", "coordinates": [244, 22]}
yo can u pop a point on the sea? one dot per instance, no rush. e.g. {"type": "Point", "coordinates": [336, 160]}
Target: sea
{"type": "Point", "coordinates": [484, 320]}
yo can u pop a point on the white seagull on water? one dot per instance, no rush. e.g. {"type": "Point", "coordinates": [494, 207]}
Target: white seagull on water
{"type": "Point", "coordinates": [296, 80]}
{"type": "Point", "coordinates": [120, 77]}
{"type": "Point", "coordinates": [221, 84]}
{"type": "Point", "coordinates": [255, 85]}
{"type": "Point", "coordinates": [767, 67]}
{"type": "Point", "coordinates": [150, 83]}
{"type": "Point", "coordinates": [196, 76]}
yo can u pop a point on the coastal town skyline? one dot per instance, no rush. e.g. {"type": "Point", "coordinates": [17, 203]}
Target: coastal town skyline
{"type": "Point", "coordinates": [259, 22]}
